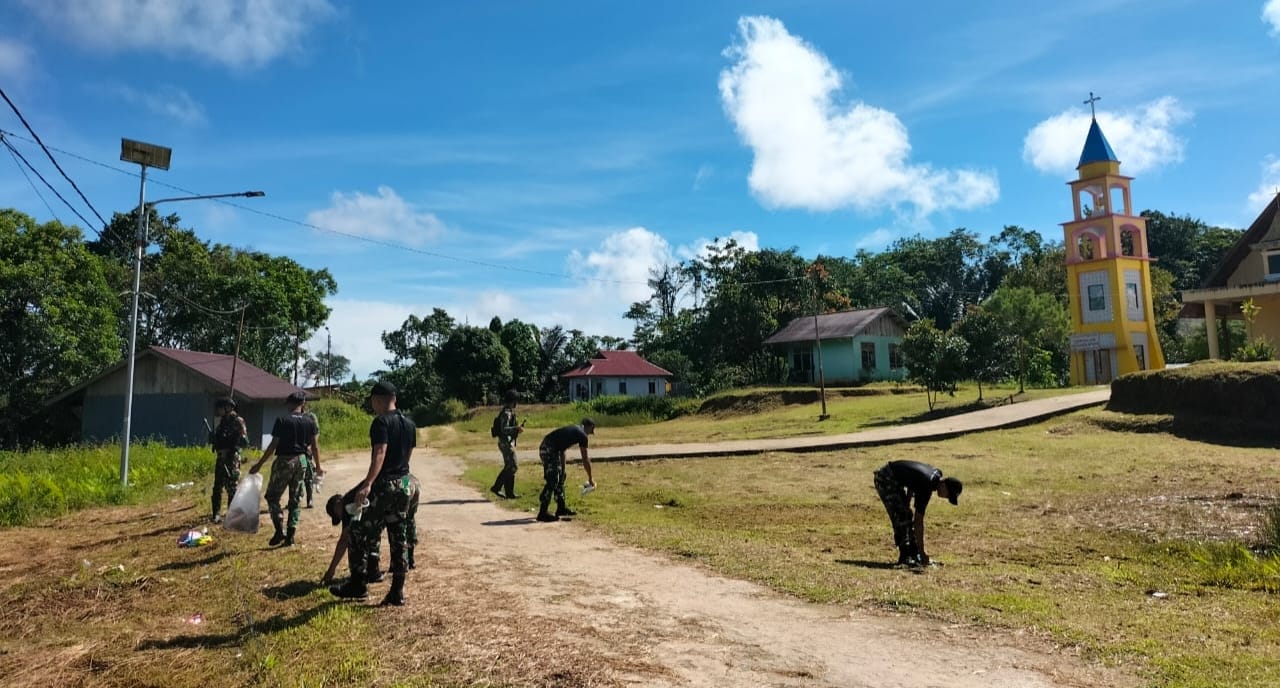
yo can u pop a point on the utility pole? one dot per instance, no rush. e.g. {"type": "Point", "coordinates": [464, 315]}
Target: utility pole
{"type": "Point", "coordinates": [239, 333]}
{"type": "Point", "coordinates": [328, 355]}
{"type": "Point", "coordinates": [817, 340]}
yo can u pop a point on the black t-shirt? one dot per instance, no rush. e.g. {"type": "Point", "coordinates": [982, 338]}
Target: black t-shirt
{"type": "Point", "coordinates": [920, 479]}
{"type": "Point", "coordinates": [560, 439]}
{"type": "Point", "coordinates": [294, 434]}
{"type": "Point", "coordinates": [399, 434]}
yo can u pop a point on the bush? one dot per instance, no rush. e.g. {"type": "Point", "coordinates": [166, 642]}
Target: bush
{"type": "Point", "coordinates": [1270, 530]}
{"type": "Point", "coordinates": [652, 408]}
{"type": "Point", "coordinates": [50, 482]}
{"type": "Point", "coordinates": [1247, 392]}
{"type": "Point", "coordinates": [438, 413]}
{"type": "Point", "coordinates": [1257, 350]}
{"type": "Point", "coordinates": [342, 425]}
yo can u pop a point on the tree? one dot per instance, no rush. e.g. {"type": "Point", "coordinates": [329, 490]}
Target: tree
{"type": "Point", "coordinates": [521, 342]}
{"type": "Point", "coordinates": [414, 349]}
{"type": "Point", "coordinates": [988, 346]}
{"type": "Point", "coordinates": [57, 317]}
{"type": "Point", "coordinates": [551, 346]}
{"type": "Point", "coordinates": [935, 359]}
{"type": "Point", "coordinates": [473, 364]}
{"type": "Point", "coordinates": [327, 368]}
{"type": "Point", "coordinates": [1186, 246]}
{"type": "Point", "coordinates": [1036, 322]}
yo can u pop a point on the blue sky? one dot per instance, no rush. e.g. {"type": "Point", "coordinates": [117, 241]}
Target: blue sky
{"type": "Point", "coordinates": [581, 143]}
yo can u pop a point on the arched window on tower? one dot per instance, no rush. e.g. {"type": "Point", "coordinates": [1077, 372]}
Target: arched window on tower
{"type": "Point", "coordinates": [1084, 246]}
{"type": "Point", "coordinates": [1119, 202]}
{"type": "Point", "coordinates": [1127, 242]}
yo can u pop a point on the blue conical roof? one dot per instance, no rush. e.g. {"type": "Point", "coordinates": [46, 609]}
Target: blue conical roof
{"type": "Point", "coordinates": [1096, 148]}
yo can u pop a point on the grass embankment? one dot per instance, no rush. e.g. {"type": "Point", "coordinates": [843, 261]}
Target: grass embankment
{"type": "Point", "coordinates": [1064, 528]}
{"type": "Point", "coordinates": [342, 425]}
{"type": "Point", "coordinates": [106, 598]}
{"type": "Point", "coordinates": [740, 414]}
{"type": "Point", "coordinates": [41, 483]}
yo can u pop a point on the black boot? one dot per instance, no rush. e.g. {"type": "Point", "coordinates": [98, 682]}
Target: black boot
{"type": "Point", "coordinates": [562, 510]}
{"type": "Point", "coordinates": [288, 539]}
{"type": "Point", "coordinates": [409, 556]}
{"type": "Point", "coordinates": [395, 596]}
{"type": "Point", "coordinates": [277, 538]}
{"type": "Point", "coordinates": [510, 485]}
{"type": "Point", "coordinates": [353, 589]}
{"type": "Point", "coordinates": [545, 516]}
{"type": "Point", "coordinates": [497, 488]}
{"type": "Point", "coordinates": [373, 569]}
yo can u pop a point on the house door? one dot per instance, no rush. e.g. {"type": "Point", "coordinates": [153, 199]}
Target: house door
{"type": "Point", "coordinates": [1102, 367]}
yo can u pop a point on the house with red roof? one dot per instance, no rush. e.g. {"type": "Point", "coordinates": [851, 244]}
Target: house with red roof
{"type": "Point", "coordinates": [173, 396]}
{"type": "Point", "coordinates": [616, 373]}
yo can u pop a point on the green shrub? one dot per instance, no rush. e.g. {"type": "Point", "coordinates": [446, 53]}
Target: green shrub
{"type": "Point", "coordinates": [1232, 565]}
{"type": "Point", "coordinates": [652, 408]}
{"type": "Point", "coordinates": [439, 413]}
{"type": "Point", "coordinates": [1247, 392]}
{"type": "Point", "coordinates": [1270, 530]}
{"type": "Point", "coordinates": [1259, 349]}
{"type": "Point", "coordinates": [342, 425]}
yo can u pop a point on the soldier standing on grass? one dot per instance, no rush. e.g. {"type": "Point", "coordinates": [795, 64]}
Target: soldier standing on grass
{"type": "Point", "coordinates": [293, 440]}
{"type": "Point", "coordinates": [388, 487]}
{"type": "Point", "coordinates": [507, 430]}
{"type": "Point", "coordinates": [897, 483]}
{"type": "Point", "coordinates": [228, 439]}
{"type": "Point", "coordinates": [551, 451]}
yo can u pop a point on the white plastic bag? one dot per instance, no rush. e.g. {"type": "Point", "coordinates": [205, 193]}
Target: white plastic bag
{"type": "Point", "coordinates": [243, 514]}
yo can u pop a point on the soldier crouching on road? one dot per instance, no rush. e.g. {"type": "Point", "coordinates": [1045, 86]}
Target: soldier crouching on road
{"type": "Point", "coordinates": [388, 488]}
{"type": "Point", "coordinates": [228, 439]}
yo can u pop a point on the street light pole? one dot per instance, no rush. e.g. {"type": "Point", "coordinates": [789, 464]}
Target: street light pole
{"type": "Point", "coordinates": [328, 355]}
{"type": "Point", "coordinates": [146, 155]}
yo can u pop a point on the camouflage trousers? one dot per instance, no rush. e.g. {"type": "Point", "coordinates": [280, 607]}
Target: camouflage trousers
{"type": "Point", "coordinates": [226, 475]}
{"type": "Point", "coordinates": [309, 477]}
{"type": "Point", "coordinates": [286, 476]}
{"type": "Point", "coordinates": [553, 476]}
{"type": "Point", "coordinates": [393, 507]}
{"type": "Point", "coordinates": [894, 497]}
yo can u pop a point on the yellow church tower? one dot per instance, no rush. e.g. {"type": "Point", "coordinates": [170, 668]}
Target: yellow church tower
{"type": "Point", "coordinates": [1108, 276]}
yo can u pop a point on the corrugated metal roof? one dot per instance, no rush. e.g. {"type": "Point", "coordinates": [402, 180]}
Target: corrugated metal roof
{"type": "Point", "coordinates": [617, 364]}
{"type": "Point", "coordinates": [830, 325]}
{"type": "Point", "coordinates": [252, 383]}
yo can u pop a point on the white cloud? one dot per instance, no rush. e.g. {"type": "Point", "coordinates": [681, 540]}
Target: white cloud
{"type": "Point", "coordinates": [700, 248]}
{"type": "Point", "coordinates": [878, 239]}
{"type": "Point", "coordinates": [15, 59]}
{"type": "Point", "coordinates": [1270, 184]}
{"type": "Point", "coordinates": [620, 266]}
{"type": "Point", "coordinates": [814, 152]}
{"type": "Point", "coordinates": [702, 175]}
{"type": "Point", "coordinates": [1143, 138]}
{"type": "Point", "coordinates": [237, 33]}
{"type": "Point", "coordinates": [167, 101]}
{"type": "Point", "coordinates": [1271, 15]}
{"type": "Point", "coordinates": [384, 216]}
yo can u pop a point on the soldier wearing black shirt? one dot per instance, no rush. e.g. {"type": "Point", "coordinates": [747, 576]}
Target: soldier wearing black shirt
{"type": "Point", "coordinates": [293, 440]}
{"type": "Point", "coordinates": [551, 452]}
{"type": "Point", "coordinates": [899, 483]}
{"type": "Point", "coordinates": [388, 488]}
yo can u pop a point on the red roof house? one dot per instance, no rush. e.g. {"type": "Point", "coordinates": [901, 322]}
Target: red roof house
{"type": "Point", "coordinates": [173, 395]}
{"type": "Point", "coordinates": [623, 373]}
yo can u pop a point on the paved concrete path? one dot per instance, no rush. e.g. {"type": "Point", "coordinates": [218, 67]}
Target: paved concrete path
{"type": "Point", "coordinates": [1010, 415]}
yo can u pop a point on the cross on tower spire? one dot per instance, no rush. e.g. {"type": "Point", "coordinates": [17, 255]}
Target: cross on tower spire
{"type": "Point", "coordinates": [1092, 99]}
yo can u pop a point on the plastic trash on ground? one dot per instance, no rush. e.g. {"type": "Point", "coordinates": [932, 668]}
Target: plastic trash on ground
{"type": "Point", "coordinates": [195, 538]}
{"type": "Point", "coordinates": [243, 514]}
{"type": "Point", "coordinates": [587, 489]}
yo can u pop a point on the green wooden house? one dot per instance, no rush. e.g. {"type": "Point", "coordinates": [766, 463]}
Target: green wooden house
{"type": "Point", "coordinates": [857, 346]}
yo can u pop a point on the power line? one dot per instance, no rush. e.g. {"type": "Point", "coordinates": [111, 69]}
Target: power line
{"type": "Point", "coordinates": [16, 152]}
{"type": "Point", "coordinates": [53, 160]}
{"type": "Point", "coordinates": [34, 188]}
{"type": "Point", "coordinates": [372, 240]}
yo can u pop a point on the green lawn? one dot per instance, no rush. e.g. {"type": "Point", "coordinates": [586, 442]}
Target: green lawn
{"type": "Point", "coordinates": [1064, 528]}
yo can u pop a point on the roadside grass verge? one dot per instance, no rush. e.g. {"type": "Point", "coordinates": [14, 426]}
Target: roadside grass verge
{"type": "Point", "coordinates": [41, 483]}
{"type": "Point", "coordinates": [886, 404]}
{"type": "Point", "coordinates": [1138, 551]}
{"type": "Point", "coordinates": [342, 425]}
{"type": "Point", "coordinates": [104, 597]}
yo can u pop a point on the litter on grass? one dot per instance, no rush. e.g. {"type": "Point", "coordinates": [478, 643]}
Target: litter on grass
{"type": "Point", "coordinates": [195, 538]}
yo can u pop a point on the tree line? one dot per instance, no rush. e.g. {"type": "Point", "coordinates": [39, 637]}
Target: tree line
{"type": "Point", "coordinates": [66, 300]}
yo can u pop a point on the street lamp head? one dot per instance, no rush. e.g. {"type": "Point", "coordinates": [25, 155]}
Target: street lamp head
{"type": "Point", "coordinates": [145, 154]}
{"type": "Point", "coordinates": [254, 194]}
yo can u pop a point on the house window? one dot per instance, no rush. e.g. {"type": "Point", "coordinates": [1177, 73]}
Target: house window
{"type": "Point", "coordinates": [622, 387]}
{"type": "Point", "coordinates": [599, 388]}
{"type": "Point", "coordinates": [653, 387]}
{"type": "Point", "coordinates": [802, 359]}
{"type": "Point", "coordinates": [895, 357]}
{"type": "Point", "coordinates": [1140, 352]}
{"type": "Point", "coordinates": [1131, 295]}
{"type": "Point", "coordinates": [1273, 265]}
{"type": "Point", "coordinates": [868, 356]}
{"type": "Point", "coordinates": [1097, 297]}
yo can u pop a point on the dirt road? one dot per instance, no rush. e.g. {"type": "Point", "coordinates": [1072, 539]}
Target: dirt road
{"type": "Point", "coordinates": [706, 630]}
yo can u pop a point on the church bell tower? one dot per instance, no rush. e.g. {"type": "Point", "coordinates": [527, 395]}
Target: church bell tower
{"type": "Point", "coordinates": [1108, 272]}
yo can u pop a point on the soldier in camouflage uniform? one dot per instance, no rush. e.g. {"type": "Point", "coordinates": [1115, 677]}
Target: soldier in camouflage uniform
{"type": "Point", "coordinates": [898, 483]}
{"type": "Point", "coordinates": [337, 510]}
{"type": "Point", "coordinates": [551, 452]}
{"type": "Point", "coordinates": [507, 430]}
{"type": "Point", "coordinates": [388, 487]}
{"type": "Point", "coordinates": [228, 439]}
{"type": "Point", "coordinates": [293, 439]}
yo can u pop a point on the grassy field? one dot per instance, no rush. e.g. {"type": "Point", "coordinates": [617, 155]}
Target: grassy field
{"type": "Point", "coordinates": [42, 483]}
{"type": "Point", "coordinates": [1132, 548]}
{"type": "Point", "coordinates": [752, 414]}
{"type": "Point", "coordinates": [105, 598]}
